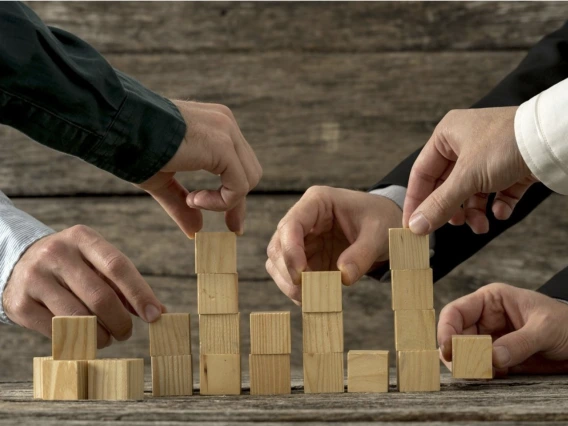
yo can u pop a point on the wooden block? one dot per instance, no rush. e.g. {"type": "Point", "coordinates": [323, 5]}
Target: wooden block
{"type": "Point", "coordinates": [321, 291]}
{"type": "Point", "coordinates": [217, 293]}
{"type": "Point", "coordinates": [220, 374]}
{"type": "Point", "coordinates": [270, 374]}
{"type": "Point", "coordinates": [215, 253]}
{"type": "Point", "coordinates": [418, 371]}
{"type": "Point", "coordinates": [74, 338]}
{"type": "Point", "coordinates": [368, 371]}
{"type": "Point", "coordinates": [322, 332]}
{"type": "Point", "coordinates": [415, 330]}
{"type": "Point", "coordinates": [38, 375]}
{"type": "Point", "coordinates": [64, 380]}
{"type": "Point", "coordinates": [116, 379]}
{"type": "Point", "coordinates": [472, 357]}
{"type": "Point", "coordinates": [219, 334]}
{"type": "Point", "coordinates": [408, 250]}
{"type": "Point", "coordinates": [170, 335]}
{"type": "Point", "coordinates": [172, 375]}
{"type": "Point", "coordinates": [412, 289]}
{"type": "Point", "coordinates": [323, 372]}
{"type": "Point", "coordinates": [270, 333]}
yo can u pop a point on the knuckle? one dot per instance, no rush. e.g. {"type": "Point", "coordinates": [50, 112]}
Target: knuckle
{"type": "Point", "coordinates": [272, 250]}
{"type": "Point", "coordinates": [116, 265]}
{"type": "Point", "coordinates": [99, 299]}
{"type": "Point", "coordinates": [123, 330]}
{"type": "Point", "coordinates": [223, 122]}
{"type": "Point", "coordinates": [20, 307]}
{"type": "Point", "coordinates": [52, 249]}
{"type": "Point", "coordinates": [224, 109]}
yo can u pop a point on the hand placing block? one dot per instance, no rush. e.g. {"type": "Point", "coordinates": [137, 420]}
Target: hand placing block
{"type": "Point", "coordinates": [170, 335]}
{"type": "Point", "coordinates": [472, 357]}
{"type": "Point", "coordinates": [415, 330]}
{"type": "Point", "coordinates": [270, 333]}
{"type": "Point", "coordinates": [172, 375]}
{"type": "Point", "coordinates": [412, 289]}
{"type": "Point", "coordinates": [368, 371]}
{"type": "Point", "coordinates": [219, 334]}
{"type": "Point", "coordinates": [217, 293]}
{"type": "Point", "coordinates": [38, 375]}
{"type": "Point", "coordinates": [270, 374]}
{"type": "Point", "coordinates": [418, 371]}
{"type": "Point", "coordinates": [220, 374]}
{"type": "Point", "coordinates": [408, 250]}
{"type": "Point", "coordinates": [215, 253]}
{"type": "Point", "coordinates": [323, 372]}
{"type": "Point", "coordinates": [116, 379]}
{"type": "Point", "coordinates": [322, 332]}
{"type": "Point", "coordinates": [64, 380]}
{"type": "Point", "coordinates": [74, 338]}
{"type": "Point", "coordinates": [321, 291]}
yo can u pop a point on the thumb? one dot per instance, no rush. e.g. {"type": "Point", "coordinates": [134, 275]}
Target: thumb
{"type": "Point", "coordinates": [514, 348]}
{"type": "Point", "coordinates": [358, 258]}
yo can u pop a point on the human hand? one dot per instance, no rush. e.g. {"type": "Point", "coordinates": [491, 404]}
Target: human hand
{"type": "Point", "coordinates": [331, 229]}
{"type": "Point", "coordinates": [77, 272]}
{"type": "Point", "coordinates": [213, 142]}
{"type": "Point", "coordinates": [529, 329]}
{"type": "Point", "coordinates": [471, 153]}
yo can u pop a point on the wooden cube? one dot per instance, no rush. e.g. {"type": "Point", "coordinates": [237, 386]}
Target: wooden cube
{"type": "Point", "coordinates": [368, 371]}
{"type": "Point", "coordinates": [472, 357]}
{"type": "Point", "coordinates": [38, 375]}
{"type": "Point", "coordinates": [270, 333]}
{"type": "Point", "coordinates": [321, 291]}
{"type": "Point", "coordinates": [215, 253]}
{"type": "Point", "coordinates": [116, 379]}
{"type": "Point", "coordinates": [170, 335]}
{"type": "Point", "coordinates": [323, 372]}
{"type": "Point", "coordinates": [220, 374]}
{"type": "Point", "coordinates": [172, 375]}
{"type": "Point", "coordinates": [408, 250]}
{"type": "Point", "coordinates": [64, 380]}
{"type": "Point", "coordinates": [217, 293]}
{"type": "Point", "coordinates": [418, 371]}
{"type": "Point", "coordinates": [412, 289]}
{"type": "Point", "coordinates": [322, 332]}
{"type": "Point", "coordinates": [270, 374]}
{"type": "Point", "coordinates": [219, 334]}
{"type": "Point", "coordinates": [415, 330]}
{"type": "Point", "coordinates": [74, 338]}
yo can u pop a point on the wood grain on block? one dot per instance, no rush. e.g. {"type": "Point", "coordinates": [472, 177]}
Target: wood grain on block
{"type": "Point", "coordinates": [270, 333]}
{"type": "Point", "coordinates": [412, 289]}
{"type": "Point", "coordinates": [64, 380]}
{"type": "Point", "coordinates": [270, 374]}
{"type": "Point", "coordinates": [323, 372]}
{"type": "Point", "coordinates": [220, 374]}
{"type": "Point", "coordinates": [116, 379]}
{"type": "Point", "coordinates": [408, 250]}
{"type": "Point", "coordinates": [215, 253]}
{"type": "Point", "coordinates": [368, 371]}
{"type": "Point", "coordinates": [217, 293]}
{"type": "Point", "coordinates": [472, 357]}
{"type": "Point", "coordinates": [415, 330]}
{"type": "Point", "coordinates": [321, 291]}
{"type": "Point", "coordinates": [38, 375]}
{"type": "Point", "coordinates": [219, 334]}
{"type": "Point", "coordinates": [418, 371]}
{"type": "Point", "coordinates": [322, 332]}
{"type": "Point", "coordinates": [172, 375]}
{"type": "Point", "coordinates": [74, 338]}
{"type": "Point", "coordinates": [170, 335]}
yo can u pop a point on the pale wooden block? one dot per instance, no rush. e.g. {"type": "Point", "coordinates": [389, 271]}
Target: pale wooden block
{"type": "Point", "coordinates": [270, 333]}
{"type": "Point", "coordinates": [408, 250]}
{"type": "Point", "coordinates": [322, 332]}
{"type": "Point", "coordinates": [270, 374]}
{"type": "Point", "coordinates": [116, 379]}
{"type": "Point", "coordinates": [412, 289]}
{"type": "Point", "coordinates": [368, 371]}
{"type": "Point", "coordinates": [170, 335]}
{"type": "Point", "coordinates": [217, 293]}
{"type": "Point", "coordinates": [323, 372]}
{"type": "Point", "coordinates": [219, 334]}
{"type": "Point", "coordinates": [215, 253]}
{"type": "Point", "coordinates": [38, 375]}
{"type": "Point", "coordinates": [418, 371]}
{"type": "Point", "coordinates": [415, 330]}
{"type": "Point", "coordinates": [472, 357]}
{"type": "Point", "coordinates": [220, 374]}
{"type": "Point", "coordinates": [321, 291]}
{"type": "Point", "coordinates": [64, 380]}
{"type": "Point", "coordinates": [172, 375]}
{"type": "Point", "coordinates": [74, 338]}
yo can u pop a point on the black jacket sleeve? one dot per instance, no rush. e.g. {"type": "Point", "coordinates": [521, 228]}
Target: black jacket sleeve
{"type": "Point", "coordinates": [61, 92]}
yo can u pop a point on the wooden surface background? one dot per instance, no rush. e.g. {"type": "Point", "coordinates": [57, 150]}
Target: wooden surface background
{"type": "Point", "coordinates": [326, 93]}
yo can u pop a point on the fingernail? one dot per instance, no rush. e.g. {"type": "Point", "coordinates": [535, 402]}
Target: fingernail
{"type": "Point", "coordinates": [352, 272]}
{"type": "Point", "coordinates": [418, 224]}
{"type": "Point", "coordinates": [501, 356]}
{"type": "Point", "coordinates": [152, 313]}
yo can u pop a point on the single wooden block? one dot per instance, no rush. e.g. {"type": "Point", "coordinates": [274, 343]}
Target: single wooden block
{"type": "Point", "coordinates": [64, 380]}
{"type": "Point", "coordinates": [215, 253]}
{"type": "Point", "coordinates": [472, 357]}
{"type": "Point", "coordinates": [170, 335]}
{"type": "Point", "coordinates": [74, 338]}
{"type": "Point", "coordinates": [415, 330]}
{"type": "Point", "coordinates": [38, 375]}
{"type": "Point", "coordinates": [220, 374]}
{"type": "Point", "coordinates": [270, 374]}
{"type": "Point", "coordinates": [418, 371]}
{"type": "Point", "coordinates": [323, 372]}
{"type": "Point", "coordinates": [412, 289]}
{"type": "Point", "coordinates": [172, 375]}
{"type": "Point", "coordinates": [321, 291]}
{"type": "Point", "coordinates": [322, 332]}
{"type": "Point", "coordinates": [270, 333]}
{"type": "Point", "coordinates": [219, 334]}
{"type": "Point", "coordinates": [116, 379]}
{"type": "Point", "coordinates": [217, 293]}
{"type": "Point", "coordinates": [368, 371]}
{"type": "Point", "coordinates": [408, 250]}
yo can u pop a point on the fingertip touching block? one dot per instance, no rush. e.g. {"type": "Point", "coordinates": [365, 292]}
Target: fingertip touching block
{"type": "Point", "coordinates": [472, 357]}
{"type": "Point", "coordinates": [217, 293]}
{"type": "Point", "coordinates": [38, 375]}
{"type": "Point", "coordinates": [116, 379]}
{"type": "Point", "coordinates": [322, 332]}
{"type": "Point", "coordinates": [418, 371]}
{"type": "Point", "coordinates": [412, 289]}
{"type": "Point", "coordinates": [170, 335]}
{"type": "Point", "coordinates": [172, 375]}
{"type": "Point", "coordinates": [74, 338]}
{"type": "Point", "coordinates": [270, 333]}
{"type": "Point", "coordinates": [219, 334]}
{"type": "Point", "coordinates": [215, 253]}
{"type": "Point", "coordinates": [323, 372]}
{"type": "Point", "coordinates": [408, 250]}
{"type": "Point", "coordinates": [368, 371]}
{"type": "Point", "coordinates": [415, 329]}
{"type": "Point", "coordinates": [64, 380]}
{"type": "Point", "coordinates": [270, 374]}
{"type": "Point", "coordinates": [321, 291]}
{"type": "Point", "coordinates": [220, 374]}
